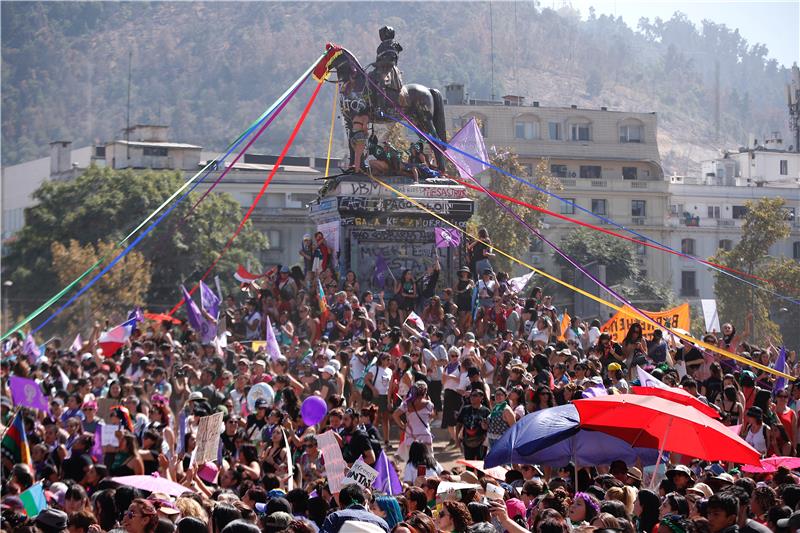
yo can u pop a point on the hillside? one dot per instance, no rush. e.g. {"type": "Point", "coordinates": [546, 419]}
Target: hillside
{"type": "Point", "coordinates": [207, 69]}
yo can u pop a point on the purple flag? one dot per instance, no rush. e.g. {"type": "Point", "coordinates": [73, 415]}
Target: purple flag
{"type": "Point", "coordinates": [272, 348]}
{"type": "Point", "coordinates": [386, 481]}
{"type": "Point", "coordinates": [30, 349]}
{"type": "Point", "coordinates": [469, 139]}
{"type": "Point", "coordinates": [206, 331]}
{"type": "Point", "coordinates": [97, 449]}
{"type": "Point", "coordinates": [27, 393]}
{"type": "Point", "coordinates": [209, 301]}
{"type": "Point", "coordinates": [594, 392]}
{"type": "Point", "coordinates": [381, 270]}
{"type": "Point", "coordinates": [181, 431]}
{"type": "Point", "coordinates": [780, 366]}
{"type": "Point", "coordinates": [447, 237]}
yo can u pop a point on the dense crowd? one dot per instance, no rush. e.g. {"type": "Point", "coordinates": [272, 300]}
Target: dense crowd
{"type": "Point", "coordinates": [400, 370]}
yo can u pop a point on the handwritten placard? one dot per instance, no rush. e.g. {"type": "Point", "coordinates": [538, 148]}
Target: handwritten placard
{"type": "Point", "coordinates": [360, 473]}
{"type": "Point", "coordinates": [334, 462]}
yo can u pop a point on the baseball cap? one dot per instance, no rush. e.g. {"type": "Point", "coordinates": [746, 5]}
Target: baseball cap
{"type": "Point", "coordinates": [52, 519]}
{"type": "Point", "coordinates": [793, 522]}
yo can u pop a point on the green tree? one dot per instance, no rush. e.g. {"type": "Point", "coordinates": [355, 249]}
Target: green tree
{"type": "Point", "coordinates": [765, 224]}
{"type": "Point", "coordinates": [504, 230]}
{"type": "Point", "coordinates": [113, 295]}
{"type": "Point", "coordinates": [587, 246]}
{"type": "Point", "coordinates": [104, 205]}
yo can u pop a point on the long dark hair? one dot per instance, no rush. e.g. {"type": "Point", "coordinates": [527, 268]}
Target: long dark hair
{"type": "Point", "coordinates": [105, 509]}
{"type": "Point", "coordinates": [649, 503]}
{"type": "Point", "coordinates": [419, 454]}
{"type": "Point", "coordinates": [635, 327]}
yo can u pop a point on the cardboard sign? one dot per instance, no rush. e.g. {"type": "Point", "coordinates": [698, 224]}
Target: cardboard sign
{"type": "Point", "coordinates": [108, 435]}
{"type": "Point", "coordinates": [334, 462]}
{"type": "Point", "coordinates": [208, 432]}
{"type": "Point", "coordinates": [360, 473]}
{"type": "Point", "coordinates": [618, 325]}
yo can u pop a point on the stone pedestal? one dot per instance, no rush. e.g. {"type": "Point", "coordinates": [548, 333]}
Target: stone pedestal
{"type": "Point", "coordinates": [363, 220]}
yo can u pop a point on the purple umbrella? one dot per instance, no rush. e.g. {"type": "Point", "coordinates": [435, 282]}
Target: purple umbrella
{"type": "Point", "coordinates": [553, 437]}
{"type": "Point", "coordinates": [152, 484]}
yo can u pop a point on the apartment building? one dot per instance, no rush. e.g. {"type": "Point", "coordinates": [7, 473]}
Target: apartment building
{"type": "Point", "coordinates": [607, 161]}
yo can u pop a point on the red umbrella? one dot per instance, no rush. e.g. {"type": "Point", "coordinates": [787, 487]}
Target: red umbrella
{"type": "Point", "coordinates": [160, 317]}
{"type": "Point", "coordinates": [677, 395]}
{"type": "Point", "coordinates": [771, 464]}
{"type": "Point", "coordinates": [653, 422]}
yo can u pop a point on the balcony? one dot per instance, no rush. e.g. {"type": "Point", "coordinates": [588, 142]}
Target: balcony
{"type": "Point", "coordinates": [638, 221]}
{"type": "Point", "coordinates": [726, 222]}
{"type": "Point", "coordinates": [599, 183]}
{"type": "Point", "coordinates": [639, 185]}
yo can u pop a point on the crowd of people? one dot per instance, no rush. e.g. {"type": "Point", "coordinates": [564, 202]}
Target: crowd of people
{"type": "Point", "coordinates": [409, 372]}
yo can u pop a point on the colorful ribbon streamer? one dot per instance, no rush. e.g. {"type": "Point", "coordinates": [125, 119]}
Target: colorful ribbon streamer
{"type": "Point", "coordinates": [145, 233]}
{"type": "Point", "coordinates": [630, 311]}
{"type": "Point", "coordinates": [257, 198]}
{"type": "Point", "coordinates": [203, 172]}
{"type": "Point", "coordinates": [728, 271]}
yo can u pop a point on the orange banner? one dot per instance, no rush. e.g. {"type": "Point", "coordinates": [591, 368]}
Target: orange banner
{"type": "Point", "coordinates": [617, 326]}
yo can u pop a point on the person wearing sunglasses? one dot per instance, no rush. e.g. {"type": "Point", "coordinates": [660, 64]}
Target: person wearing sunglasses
{"type": "Point", "coordinates": [141, 517]}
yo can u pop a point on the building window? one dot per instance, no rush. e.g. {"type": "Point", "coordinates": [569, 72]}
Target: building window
{"type": "Point", "coordinates": [554, 129]}
{"type": "Point", "coordinates": [739, 211]}
{"type": "Point", "coordinates": [598, 206]}
{"type": "Point", "coordinates": [641, 249]}
{"type": "Point", "coordinates": [687, 246]}
{"type": "Point", "coordinates": [630, 134]}
{"type": "Point", "coordinates": [528, 169]}
{"type": "Point", "coordinates": [99, 151]}
{"type": "Point", "coordinates": [559, 171]}
{"type": "Point", "coordinates": [796, 250]}
{"type": "Point", "coordinates": [526, 129]}
{"type": "Point", "coordinates": [725, 244]}
{"type": "Point", "coordinates": [155, 151]}
{"type": "Point", "coordinates": [638, 208]}
{"type": "Point", "coordinates": [580, 132]}
{"type": "Point", "coordinates": [629, 173]}
{"type": "Point", "coordinates": [688, 283]}
{"type": "Point", "coordinates": [568, 207]}
{"type": "Point", "coordinates": [713, 211]}
{"type": "Point", "coordinates": [274, 239]}
{"type": "Point", "coordinates": [784, 167]}
{"type": "Point", "coordinates": [591, 172]}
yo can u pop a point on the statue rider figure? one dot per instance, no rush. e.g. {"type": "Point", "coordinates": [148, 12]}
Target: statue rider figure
{"type": "Point", "coordinates": [386, 74]}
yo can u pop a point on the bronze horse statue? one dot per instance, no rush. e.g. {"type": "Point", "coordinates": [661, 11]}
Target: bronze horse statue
{"type": "Point", "coordinates": [361, 103]}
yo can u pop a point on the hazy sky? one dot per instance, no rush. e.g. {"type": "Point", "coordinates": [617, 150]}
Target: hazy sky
{"type": "Point", "coordinates": [774, 23]}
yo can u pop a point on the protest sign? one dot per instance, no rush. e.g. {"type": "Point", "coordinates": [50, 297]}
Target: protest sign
{"type": "Point", "coordinates": [208, 431]}
{"type": "Point", "coordinates": [334, 463]}
{"type": "Point", "coordinates": [108, 435]}
{"type": "Point", "coordinates": [360, 473]}
{"type": "Point", "coordinates": [618, 325]}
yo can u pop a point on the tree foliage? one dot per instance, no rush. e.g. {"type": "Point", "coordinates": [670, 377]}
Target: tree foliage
{"type": "Point", "coordinates": [104, 205]}
{"type": "Point", "coordinates": [122, 288]}
{"type": "Point", "coordinates": [765, 224]}
{"type": "Point", "coordinates": [64, 63]}
{"type": "Point", "coordinates": [505, 231]}
{"type": "Point", "coordinates": [586, 246]}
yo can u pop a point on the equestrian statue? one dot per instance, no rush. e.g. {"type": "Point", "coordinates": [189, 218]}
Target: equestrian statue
{"type": "Point", "coordinates": [375, 97]}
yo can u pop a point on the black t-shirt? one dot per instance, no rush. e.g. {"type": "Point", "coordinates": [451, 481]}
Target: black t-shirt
{"type": "Point", "coordinates": [254, 426]}
{"type": "Point", "coordinates": [471, 418]}
{"type": "Point", "coordinates": [354, 444]}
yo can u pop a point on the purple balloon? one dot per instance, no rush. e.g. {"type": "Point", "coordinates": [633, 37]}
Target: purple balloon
{"type": "Point", "coordinates": [313, 410]}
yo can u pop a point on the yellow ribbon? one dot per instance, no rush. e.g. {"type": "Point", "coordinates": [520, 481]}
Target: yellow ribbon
{"type": "Point", "coordinates": [330, 135]}
{"type": "Point", "coordinates": [616, 307]}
